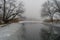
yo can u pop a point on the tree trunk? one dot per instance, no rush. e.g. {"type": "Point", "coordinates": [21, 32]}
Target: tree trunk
{"type": "Point", "coordinates": [51, 19]}
{"type": "Point", "coordinates": [4, 11]}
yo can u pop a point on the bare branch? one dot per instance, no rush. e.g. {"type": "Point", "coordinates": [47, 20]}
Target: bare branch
{"type": "Point", "coordinates": [18, 10]}
{"type": "Point", "coordinates": [49, 8]}
{"type": "Point", "coordinates": [14, 16]}
{"type": "Point", "coordinates": [56, 4]}
{"type": "Point", "coordinates": [10, 11]}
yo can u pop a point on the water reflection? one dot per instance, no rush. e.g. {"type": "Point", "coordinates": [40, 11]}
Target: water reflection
{"type": "Point", "coordinates": [23, 29]}
{"type": "Point", "coordinates": [52, 33]}
{"type": "Point", "coordinates": [31, 31]}
{"type": "Point", "coordinates": [38, 31]}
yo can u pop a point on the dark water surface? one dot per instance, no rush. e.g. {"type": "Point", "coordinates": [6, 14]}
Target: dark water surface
{"type": "Point", "coordinates": [32, 31]}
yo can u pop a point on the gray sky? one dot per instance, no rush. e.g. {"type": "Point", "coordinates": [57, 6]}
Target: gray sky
{"type": "Point", "coordinates": [33, 8]}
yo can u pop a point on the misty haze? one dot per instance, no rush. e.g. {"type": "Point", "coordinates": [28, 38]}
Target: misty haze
{"type": "Point", "coordinates": [29, 19]}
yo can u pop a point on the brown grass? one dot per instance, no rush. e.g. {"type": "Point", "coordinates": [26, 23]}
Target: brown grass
{"type": "Point", "coordinates": [55, 20]}
{"type": "Point", "coordinates": [16, 20]}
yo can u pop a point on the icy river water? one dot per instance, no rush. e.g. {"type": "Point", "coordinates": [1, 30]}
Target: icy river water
{"type": "Point", "coordinates": [32, 31]}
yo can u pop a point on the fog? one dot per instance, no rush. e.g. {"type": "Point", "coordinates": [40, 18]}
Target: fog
{"type": "Point", "coordinates": [33, 8]}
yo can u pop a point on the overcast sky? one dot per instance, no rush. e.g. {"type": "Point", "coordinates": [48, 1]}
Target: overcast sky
{"type": "Point", "coordinates": [33, 8]}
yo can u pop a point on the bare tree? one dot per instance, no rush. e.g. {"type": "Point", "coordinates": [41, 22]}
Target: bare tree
{"type": "Point", "coordinates": [10, 9]}
{"type": "Point", "coordinates": [50, 8]}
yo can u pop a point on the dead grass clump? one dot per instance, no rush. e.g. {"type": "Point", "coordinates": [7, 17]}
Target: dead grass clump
{"type": "Point", "coordinates": [15, 20]}
{"type": "Point", "coordinates": [54, 20]}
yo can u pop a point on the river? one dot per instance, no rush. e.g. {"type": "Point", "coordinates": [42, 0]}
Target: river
{"type": "Point", "coordinates": [32, 31]}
